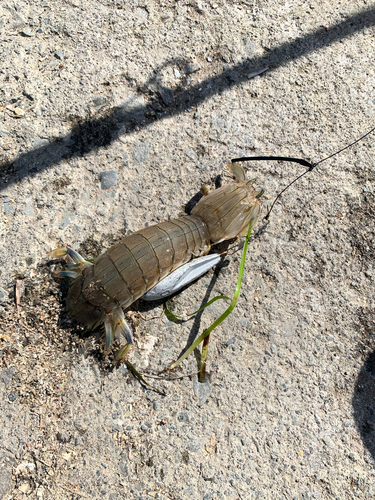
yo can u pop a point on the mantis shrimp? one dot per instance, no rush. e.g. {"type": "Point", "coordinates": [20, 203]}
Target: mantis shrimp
{"type": "Point", "coordinates": [157, 260]}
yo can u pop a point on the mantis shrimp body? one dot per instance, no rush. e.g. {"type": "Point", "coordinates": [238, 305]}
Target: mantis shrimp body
{"type": "Point", "coordinates": [133, 266]}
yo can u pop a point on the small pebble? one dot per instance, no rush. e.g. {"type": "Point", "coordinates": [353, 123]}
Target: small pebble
{"type": "Point", "coordinates": [202, 390]}
{"type": "Point", "coordinates": [108, 179]}
{"type": "Point", "coordinates": [9, 209]}
{"type": "Point", "coordinates": [183, 417]}
{"type": "Point", "coordinates": [28, 209]}
{"type": "Point", "coordinates": [67, 219]}
{"type": "Point", "coordinates": [165, 17]}
{"type": "Point", "coordinates": [12, 397]}
{"type": "Point", "coordinates": [27, 32]}
{"type": "Point", "coordinates": [98, 103]}
{"type": "Point", "coordinates": [231, 341]}
{"type": "Point", "coordinates": [209, 59]}
{"type": "Point", "coordinates": [177, 73]}
{"type": "Point", "coordinates": [243, 322]}
{"type": "Point", "coordinates": [59, 54]}
{"type": "Point", "coordinates": [24, 488]}
{"type": "Point", "coordinates": [192, 68]}
{"type": "Point", "coordinates": [19, 112]}
{"type": "Point", "coordinates": [156, 405]}
{"type": "Point", "coordinates": [167, 97]}
{"type": "Point", "coordinates": [194, 447]}
{"type": "Point", "coordinates": [191, 154]}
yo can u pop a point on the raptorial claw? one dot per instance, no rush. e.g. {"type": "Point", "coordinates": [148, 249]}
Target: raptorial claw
{"type": "Point", "coordinates": [57, 253]}
{"type": "Point", "coordinates": [77, 258]}
{"type": "Point", "coordinates": [75, 267]}
{"type": "Point", "coordinates": [123, 328]}
{"type": "Point", "coordinates": [109, 333]}
{"type": "Point", "coordinates": [73, 270]}
{"type": "Point", "coordinates": [115, 326]}
{"type": "Point", "coordinates": [237, 171]}
{"type": "Point", "coordinates": [68, 274]}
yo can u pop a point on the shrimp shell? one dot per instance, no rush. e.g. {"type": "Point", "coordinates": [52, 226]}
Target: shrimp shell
{"type": "Point", "coordinates": [126, 271]}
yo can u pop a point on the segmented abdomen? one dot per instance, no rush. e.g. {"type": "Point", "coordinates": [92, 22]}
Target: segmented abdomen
{"type": "Point", "coordinates": [135, 264]}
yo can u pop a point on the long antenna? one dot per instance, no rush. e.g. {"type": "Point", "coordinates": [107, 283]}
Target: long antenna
{"type": "Point", "coordinates": [346, 147]}
{"type": "Point", "coordinates": [305, 163]}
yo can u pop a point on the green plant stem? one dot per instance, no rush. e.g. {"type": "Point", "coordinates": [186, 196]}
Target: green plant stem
{"type": "Point", "coordinates": [137, 375]}
{"type": "Point", "coordinates": [202, 370]}
{"type": "Point", "coordinates": [225, 314]}
{"type": "Point", "coordinates": [179, 319]}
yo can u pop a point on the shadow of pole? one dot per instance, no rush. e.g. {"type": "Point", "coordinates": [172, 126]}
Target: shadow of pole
{"type": "Point", "coordinates": [364, 403]}
{"type": "Point", "coordinates": [102, 131]}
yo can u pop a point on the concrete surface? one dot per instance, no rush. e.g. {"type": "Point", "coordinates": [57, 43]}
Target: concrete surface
{"type": "Point", "coordinates": [112, 116]}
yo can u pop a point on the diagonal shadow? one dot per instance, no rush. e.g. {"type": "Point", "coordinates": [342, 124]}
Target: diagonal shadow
{"type": "Point", "coordinates": [99, 132]}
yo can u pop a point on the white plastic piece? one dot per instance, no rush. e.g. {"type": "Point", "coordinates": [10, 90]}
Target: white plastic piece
{"type": "Point", "coordinates": [182, 277]}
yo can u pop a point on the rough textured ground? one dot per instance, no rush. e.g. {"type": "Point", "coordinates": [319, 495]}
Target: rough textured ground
{"type": "Point", "coordinates": [160, 95]}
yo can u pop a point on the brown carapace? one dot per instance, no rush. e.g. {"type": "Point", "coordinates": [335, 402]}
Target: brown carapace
{"type": "Point", "coordinates": [126, 271]}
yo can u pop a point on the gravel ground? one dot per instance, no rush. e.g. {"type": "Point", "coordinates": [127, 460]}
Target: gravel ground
{"type": "Point", "coordinates": [112, 116]}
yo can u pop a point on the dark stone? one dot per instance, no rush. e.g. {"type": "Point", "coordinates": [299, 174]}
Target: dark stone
{"type": "Point", "coordinates": [184, 417]}
{"type": "Point", "coordinates": [63, 437]}
{"type": "Point", "coordinates": [12, 397]}
{"type": "Point", "coordinates": [108, 179]}
{"type": "Point", "coordinates": [192, 68]}
{"type": "Point", "coordinates": [166, 95]}
{"type": "Point", "coordinates": [59, 54]}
